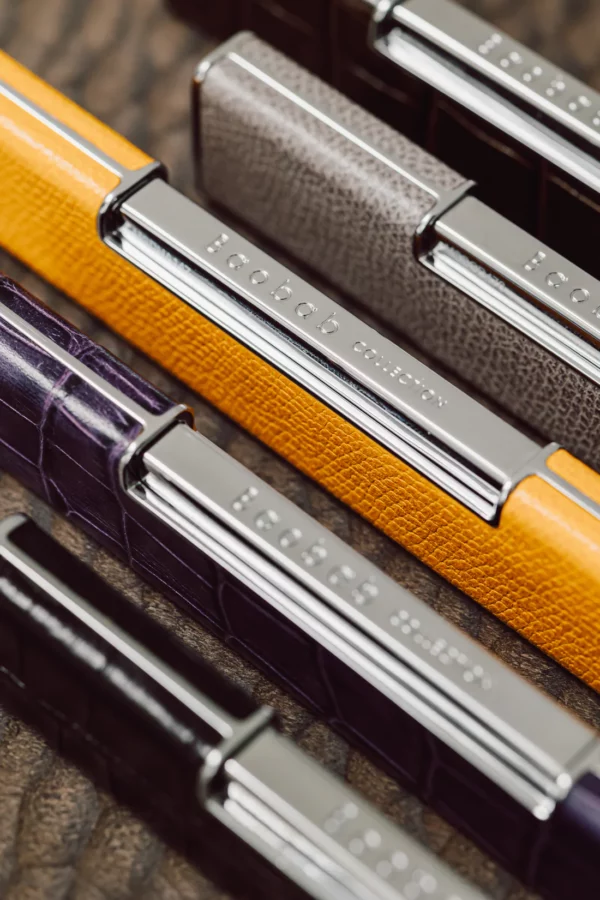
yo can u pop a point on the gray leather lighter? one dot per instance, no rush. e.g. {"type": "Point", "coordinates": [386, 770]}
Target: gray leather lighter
{"type": "Point", "coordinates": [402, 234]}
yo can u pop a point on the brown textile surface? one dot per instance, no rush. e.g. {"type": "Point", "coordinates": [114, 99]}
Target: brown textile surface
{"type": "Point", "coordinates": [130, 63]}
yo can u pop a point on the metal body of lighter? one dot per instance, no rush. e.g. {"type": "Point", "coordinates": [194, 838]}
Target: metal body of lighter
{"type": "Point", "coordinates": [493, 90]}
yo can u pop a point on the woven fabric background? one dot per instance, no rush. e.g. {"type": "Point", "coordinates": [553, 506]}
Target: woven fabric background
{"type": "Point", "coordinates": [130, 63]}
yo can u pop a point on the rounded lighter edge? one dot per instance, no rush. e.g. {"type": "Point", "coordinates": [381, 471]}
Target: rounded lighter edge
{"type": "Point", "coordinates": [9, 524]}
{"type": "Point", "coordinates": [60, 128]}
{"type": "Point", "coordinates": [220, 52]}
{"type": "Point", "coordinates": [381, 13]}
{"type": "Point", "coordinates": [445, 202]}
{"type": "Point", "coordinates": [131, 181]}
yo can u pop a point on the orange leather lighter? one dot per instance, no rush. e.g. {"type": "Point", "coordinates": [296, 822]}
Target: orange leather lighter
{"type": "Point", "coordinates": [514, 524]}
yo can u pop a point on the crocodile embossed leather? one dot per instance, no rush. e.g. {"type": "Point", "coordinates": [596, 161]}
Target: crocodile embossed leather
{"type": "Point", "coordinates": [98, 707]}
{"type": "Point", "coordinates": [64, 440]}
{"type": "Point", "coordinates": [65, 435]}
{"type": "Point", "coordinates": [49, 676]}
{"type": "Point", "coordinates": [301, 29]}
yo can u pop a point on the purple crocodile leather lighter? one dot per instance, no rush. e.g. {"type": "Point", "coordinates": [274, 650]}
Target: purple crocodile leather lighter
{"type": "Point", "coordinates": [104, 448]}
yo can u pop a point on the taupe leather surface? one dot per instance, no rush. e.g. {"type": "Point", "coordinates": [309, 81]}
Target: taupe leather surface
{"type": "Point", "coordinates": [60, 838]}
{"type": "Point", "coordinates": [335, 201]}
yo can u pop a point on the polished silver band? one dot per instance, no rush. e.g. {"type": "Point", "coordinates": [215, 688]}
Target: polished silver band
{"type": "Point", "coordinates": [496, 78]}
{"type": "Point", "coordinates": [463, 448]}
{"type": "Point", "coordinates": [335, 844]}
{"type": "Point", "coordinates": [439, 430]}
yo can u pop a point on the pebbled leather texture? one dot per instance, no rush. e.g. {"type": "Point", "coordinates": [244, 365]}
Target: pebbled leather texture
{"type": "Point", "coordinates": [352, 217]}
{"type": "Point", "coordinates": [532, 571]}
{"type": "Point", "coordinates": [60, 837]}
{"type": "Point", "coordinates": [68, 451]}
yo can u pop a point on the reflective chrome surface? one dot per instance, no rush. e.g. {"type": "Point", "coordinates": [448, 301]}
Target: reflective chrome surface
{"type": "Point", "coordinates": [439, 430]}
{"type": "Point", "coordinates": [498, 79]}
{"type": "Point", "coordinates": [428, 668]}
{"type": "Point", "coordinates": [407, 407]}
{"type": "Point", "coordinates": [396, 643]}
{"type": "Point", "coordinates": [312, 825]}
{"type": "Point", "coordinates": [523, 281]}
{"type": "Point", "coordinates": [423, 419]}
{"type": "Point", "coordinates": [498, 264]}
{"type": "Point", "coordinates": [460, 693]}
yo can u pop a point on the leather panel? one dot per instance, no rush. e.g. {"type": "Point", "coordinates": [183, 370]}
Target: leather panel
{"type": "Point", "coordinates": [569, 860]}
{"type": "Point", "coordinates": [75, 117]}
{"type": "Point", "coordinates": [574, 471]}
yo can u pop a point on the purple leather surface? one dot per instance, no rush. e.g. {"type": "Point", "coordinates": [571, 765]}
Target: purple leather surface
{"type": "Point", "coordinates": [570, 860]}
{"type": "Point", "coordinates": [68, 452]}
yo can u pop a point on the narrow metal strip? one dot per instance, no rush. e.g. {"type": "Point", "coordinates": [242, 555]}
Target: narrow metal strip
{"type": "Point", "coordinates": [76, 140]}
{"type": "Point", "coordinates": [151, 425]}
{"type": "Point", "coordinates": [316, 112]}
{"type": "Point", "coordinates": [540, 86]}
{"type": "Point", "coordinates": [113, 635]}
{"type": "Point", "coordinates": [474, 281]}
{"type": "Point", "coordinates": [539, 467]}
{"type": "Point", "coordinates": [31, 334]}
{"type": "Point", "coordinates": [425, 665]}
{"type": "Point", "coordinates": [340, 834]}
{"type": "Point", "coordinates": [317, 377]}
{"type": "Point", "coordinates": [435, 427]}
{"type": "Point", "coordinates": [524, 263]}
{"type": "Point", "coordinates": [521, 280]}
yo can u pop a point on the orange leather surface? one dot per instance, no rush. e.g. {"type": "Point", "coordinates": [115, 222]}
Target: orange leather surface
{"type": "Point", "coordinates": [538, 570]}
{"type": "Point", "coordinates": [576, 473]}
